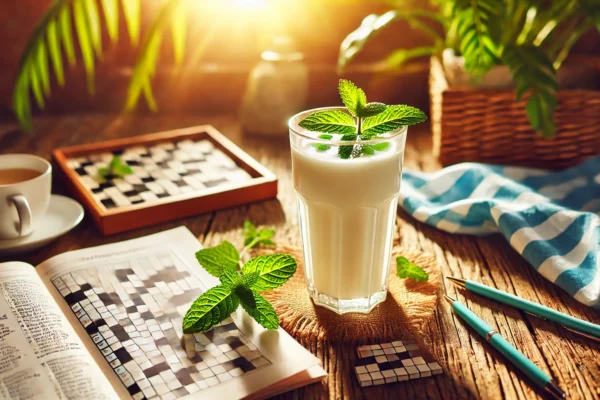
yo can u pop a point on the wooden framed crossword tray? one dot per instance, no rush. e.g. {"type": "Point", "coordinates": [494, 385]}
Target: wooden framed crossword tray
{"type": "Point", "coordinates": [177, 174]}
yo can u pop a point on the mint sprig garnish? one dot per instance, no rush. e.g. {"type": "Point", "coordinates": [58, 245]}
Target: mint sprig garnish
{"type": "Point", "coordinates": [254, 236]}
{"type": "Point", "coordinates": [215, 260]}
{"type": "Point", "coordinates": [322, 146]}
{"type": "Point", "coordinates": [273, 271]}
{"type": "Point", "coordinates": [329, 122]}
{"type": "Point", "coordinates": [363, 121]}
{"type": "Point", "coordinates": [212, 307]}
{"type": "Point", "coordinates": [116, 168]}
{"type": "Point", "coordinates": [372, 148]}
{"type": "Point", "coordinates": [372, 109]}
{"type": "Point", "coordinates": [262, 312]}
{"type": "Point", "coordinates": [239, 285]}
{"type": "Point", "coordinates": [393, 117]}
{"type": "Point", "coordinates": [407, 269]}
{"type": "Point", "coordinates": [354, 98]}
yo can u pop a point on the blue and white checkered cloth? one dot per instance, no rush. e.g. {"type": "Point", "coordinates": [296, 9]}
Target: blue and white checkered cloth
{"type": "Point", "coordinates": [551, 218]}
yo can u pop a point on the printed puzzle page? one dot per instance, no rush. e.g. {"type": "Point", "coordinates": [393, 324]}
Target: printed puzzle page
{"type": "Point", "coordinates": [128, 301]}
{"type": "Point", "coordinates": [41, 357]}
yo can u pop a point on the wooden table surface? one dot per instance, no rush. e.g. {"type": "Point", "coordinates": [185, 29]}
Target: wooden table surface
{"type": "Point", "coordinates": [471, 368]}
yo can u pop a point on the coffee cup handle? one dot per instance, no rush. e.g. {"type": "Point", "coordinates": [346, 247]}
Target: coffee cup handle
{"type": "Point", "coordinates": [24, 212]}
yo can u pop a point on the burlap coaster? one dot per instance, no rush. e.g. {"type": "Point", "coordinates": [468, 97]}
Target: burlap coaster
{"type": "Point", "coordinates": [408, 306]}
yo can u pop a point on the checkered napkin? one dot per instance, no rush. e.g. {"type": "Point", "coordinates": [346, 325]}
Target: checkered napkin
{"type": "Point", "coordinates": [552, 218]}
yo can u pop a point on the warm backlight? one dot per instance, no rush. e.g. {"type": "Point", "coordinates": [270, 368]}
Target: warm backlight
{"type": "Point", "coordinates": [250, 3]}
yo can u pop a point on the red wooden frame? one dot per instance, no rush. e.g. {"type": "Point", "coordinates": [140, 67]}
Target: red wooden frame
{"type": "Point", "coordinates": [110, 221]}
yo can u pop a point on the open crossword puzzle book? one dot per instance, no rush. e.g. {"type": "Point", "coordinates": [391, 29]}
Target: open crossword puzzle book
{"type": "Point", "coordinates": [105, 323]}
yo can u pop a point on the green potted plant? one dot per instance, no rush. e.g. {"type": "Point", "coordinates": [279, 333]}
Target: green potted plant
{"type": "Point", "coordinates": [495, 51]}
{"type": "Point", "coordinates": [73, 29]}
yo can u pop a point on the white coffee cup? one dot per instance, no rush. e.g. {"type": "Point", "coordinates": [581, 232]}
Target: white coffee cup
{"type": "Point", "coordinates": [23, 203]}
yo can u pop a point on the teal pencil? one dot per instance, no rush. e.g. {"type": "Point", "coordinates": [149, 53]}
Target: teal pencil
{"type": "Point", "coordinates": [507, 350]}
{"type": "Point", "coordinates": [577, 325]}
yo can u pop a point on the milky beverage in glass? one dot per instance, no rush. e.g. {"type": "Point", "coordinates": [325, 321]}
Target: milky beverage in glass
{"type": "Point", "coordinates": [347, 211]}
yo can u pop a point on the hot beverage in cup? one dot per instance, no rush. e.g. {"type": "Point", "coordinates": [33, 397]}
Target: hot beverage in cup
{"type": "Point", "coordinates": [16, 175]}
{"type": "Point", "coordinates": [25, 186]}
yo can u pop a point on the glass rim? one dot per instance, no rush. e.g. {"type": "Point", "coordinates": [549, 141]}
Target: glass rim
{"type": "Point", "coordinates": [299, 131]}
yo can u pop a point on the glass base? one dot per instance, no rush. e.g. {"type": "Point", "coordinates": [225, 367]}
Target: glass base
{"type": "Point", "coordinates": [362, 305]}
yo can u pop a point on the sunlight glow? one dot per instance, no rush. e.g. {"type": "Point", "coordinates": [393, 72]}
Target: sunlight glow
{"type": "Point", "coordinates": [249, 3]}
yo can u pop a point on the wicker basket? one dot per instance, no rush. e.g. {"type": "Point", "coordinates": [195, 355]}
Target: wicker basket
{"type": "Point", "coordinates": [488, 125]}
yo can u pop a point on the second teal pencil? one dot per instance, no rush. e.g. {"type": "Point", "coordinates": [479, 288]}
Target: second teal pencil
{"type": "Point", "coordinates": [517, 358]}
{"type": "Point", "coordinates": [575, 324]}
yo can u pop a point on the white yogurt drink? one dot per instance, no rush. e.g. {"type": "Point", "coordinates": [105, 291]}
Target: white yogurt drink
{"type": "Point", "coordinates": [347, 210]}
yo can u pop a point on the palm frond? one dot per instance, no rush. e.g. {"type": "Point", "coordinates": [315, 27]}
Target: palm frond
{"type": "Point", "coordinates": [66, 29]}
{"type": "Point", "coordinates": [171, 13]}
{"type": "Point", "coordinates": [95, 30]}
{"type": "Point", "coordinates": [370, 25]}
{"type": "Point", "coordinates": [132, 12]}
{"type": "Point", "coordinates": [53, 35]}
{"type": "Point", "coordinates": [110, 9]}
{"type": "Point", "coordinates": [85, 42]}
{"type": "Point", "coordinates": [574, 35]}
{"type": "Point", "coordinates": [179, 32]}
{"type": "Point", "coordinates": [544, 18]}
{"type": "Point", "coordinates": [400, 56]}
{"type": "Point", "coordinates": [479, 34]}
{"type": "Point", "coordinates": [43, 70]}
{"type": "Point", "coordinates": [55, 56]}
{"type": "Point", "coordinates": [534, 73]}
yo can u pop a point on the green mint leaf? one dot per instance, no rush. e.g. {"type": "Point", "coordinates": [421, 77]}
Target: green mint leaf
{"type": "Point", "coordinates": [246, 297]}
{"type": "Point", "coordinates": [353, 97]}
{"type": "Point", "coordinates": [230, 278]}
{"type": "Point", "coordinates": [122, 170]}
{"type": "Point", "coordinates": [116, 161]}
{"type": "Point", "coordinates": [273, 270]}
{"type": "Point", "coordinates": [329, 122]}
{"type": "Point", "coordinates": [380, 146]}
{"type": "Point", "coordinates": [262, 312]}
{"type": "Point", "coordinates": [253, 234]}
{"type": "Point", "coordinates": [346, 151]}
{"type": "Point", "coordinates": [372, 109]}
{"type": "Point", "coordinates": [212, 307]}
{"type": "Point", "coordinates": [356, 150]}
{"type": "Point", "coordinates": [115, 168]}
{"type": "Point", "coordinates": [407, 269]}
{"type": "Point", "coordinates": [249, 232]}
{"type": "Point", "coordinates": [103, 172]}
{"type": "Point", "coordinates": [215, 260]}
{"type": "Point", "coordinates": [249, 279]}
{"type": "Point", "coordinates": [119, 168]}
{"type": "Point", "coordinates": [266, 234]}
{"type": "Point", "coordinates": [392, 118]}
{"type": "Point", "coordinates": [321, 146]}
{"type": "Point", "coordinates": [368, 149]}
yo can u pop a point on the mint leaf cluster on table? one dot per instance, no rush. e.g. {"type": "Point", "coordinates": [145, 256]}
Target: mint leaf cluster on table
{"type": "Point", "coordinates": [363, 121]}
{"type": "Point", "coordinates": [407, 269]}
{"type": "Point", "coordinates": [254, 236]}
{"type": "Point", "coordinates": [241, 283]}
{"type": "Point", "coordinates": [116, 168]}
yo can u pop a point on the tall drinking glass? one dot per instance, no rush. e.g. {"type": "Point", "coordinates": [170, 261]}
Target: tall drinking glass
{"type": "Point", "coordinates": [347, 211]}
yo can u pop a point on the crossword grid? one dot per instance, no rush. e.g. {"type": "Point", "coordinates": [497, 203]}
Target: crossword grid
{"type": "Point", "coordinates": [161, 170]}
{"type": "Point", "coordinates": [133, 312]}
{"type": "Point", "coordinates": [392, 362]}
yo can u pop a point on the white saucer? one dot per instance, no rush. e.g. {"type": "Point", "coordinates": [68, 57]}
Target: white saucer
{"type": "Point", "coordinates": [63, 215]}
